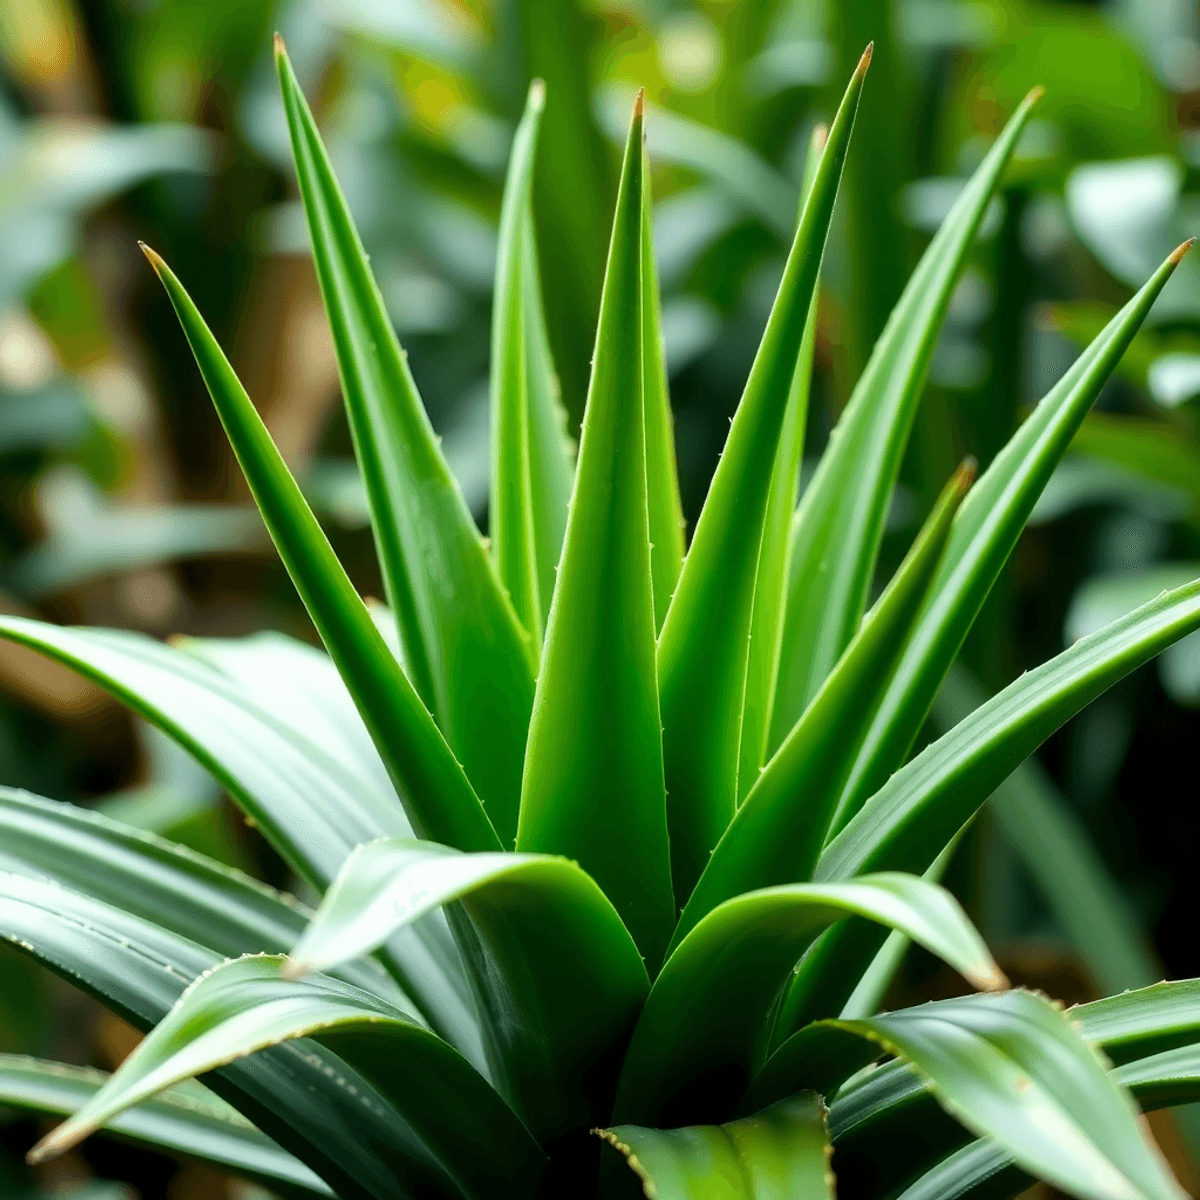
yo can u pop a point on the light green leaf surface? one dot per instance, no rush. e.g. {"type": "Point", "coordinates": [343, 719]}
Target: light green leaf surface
{"type": "Point", "coordinates": [774, 555]}
{"type": "Point", "coordinates": [781, 1153]}
{"type": "Point", "coordinates": [703, 1032]}
{"type": "Point", "coordinates": [778, 832]}
{"type": "Point", "coordinates": [984, 534]}
{"type": "Point", "coordinates": [437, 795]}
{"type": "Point", "coordinates": [510, 511]}
{"type": "Point", "coordinates": [841, 517]}
{"type": "Point", "coordinates": [473, 1141]}
{"type": "Point", "coordinates": [469, 659]}
{"type": "Point", "coordinates": [704, 645]}
{"type": "Point", "coordinates": [593, 787]}
{"type": "Point", "coordinates": [186, 1120]}
{"type": "Point", "coordinates": [560, 979]}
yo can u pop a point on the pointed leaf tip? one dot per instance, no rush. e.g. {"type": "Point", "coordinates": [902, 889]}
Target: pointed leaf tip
{"type": "Point", "coordinates": [280, 47]}
{"type": "Point", "coordinates": [1034, 94]}
{"type": "Point", "coordinates": [537, 94]}
{"type": "Point", "coordinates": [153, 257]}
{"type": "Point", "coordinates": [820, 135]}
{"type": "Point", "coordinates": [968, 472]}
{"type": "Point", "coordinates": [639, 104]}
{"type": "Point", "coordinates": [865, 61]}
{"type": "Point", "coordinates": [1179, 251]}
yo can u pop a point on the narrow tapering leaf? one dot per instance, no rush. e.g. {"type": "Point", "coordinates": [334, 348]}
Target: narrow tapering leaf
{"type": "Point", "coordinates": [983, 537]}
{"type": "Point", "coordinates": [704, 646]}
{"type": "Point", "coordinates": [780, 1154]}
{"type": "Point", "coordinates": [779, 831]}
{"type": "Point", "coordinates": [510, 513]}
{"type": "Point", "coordinates": [439, 800]}
{"type": "Point", "coordinates": [662, 478]}
{"type": "Point", "coordinates": [593, 787]}
{"type": "Point", "coordinates": [469, 658]}
{"type": "Point", "coordinates": [702, 1034]}
{"type": "Point", "coordinates": [770, 586]}
{"type": "Point", "coordinates": [841, 517]}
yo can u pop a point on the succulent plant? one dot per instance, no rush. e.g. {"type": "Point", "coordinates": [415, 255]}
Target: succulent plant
{"type": "Point", "coordinates": [617, 845]}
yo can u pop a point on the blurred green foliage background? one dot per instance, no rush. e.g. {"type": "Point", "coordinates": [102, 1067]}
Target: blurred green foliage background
{"type": "Point", "coordinates": [158, 120]}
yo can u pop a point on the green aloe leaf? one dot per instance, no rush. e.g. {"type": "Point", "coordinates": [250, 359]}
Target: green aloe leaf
{"type": "Point", "coordinates": [781, 1153]}
{"type": "Point", "coordinates": [983, 537]}
{"type": "Point", "coordinates": [774, 555]}
{"type": "Point", "coordinates": [510, 512]}
{"type": "Point", "coordinates": [551, 451]}
{"type": "Point", "coordinates": [147, 876]}
{"type": "Point", "coordinates": [912, 818]}
{"type": "Point", "coordinates": [841, 517]}
{"type": "Point", "coordinates": [189, 1120]}
{"type": "Point", "coordinates": [440, 801]}
{"type": "Point", "coordinates": [138, 970]}
{"type": "Point", "coordinates": [701, 1035]}
{"type": "Point", "coordinates": [662, 477]}
{"type": "Point", "coordinates": [779, 830]}
{"type": "Point", "coordinates": [593, 787]}
{"type": "Point", "coordinates": [470, 1139]}
{"type": "Point", "coordinates": [469, 658]}
{"type": "Point", "coordinates": [312, 808]}
{"type": "Point", "coordinates": [704, 645]}
{"type": "Point", "coordinates": [573, 980]}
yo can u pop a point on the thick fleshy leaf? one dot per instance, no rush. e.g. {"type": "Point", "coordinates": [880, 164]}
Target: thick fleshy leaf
{"type": "Point", "coordinates": [147, 876]}
{"type": "Point", "coordinates": [704, 1030]}
{"type": "Point", "coordinates": [469, 659]}
{"type": "Point", "coordinates": [911, 819]}
{"type": "Point", "coordinates": [437, 795]}
{"type": "Point", "coordinates": [473, 1142]}
{"type": "Point", "coordinates": [983, 537]}
{"type": "Point", "coordinates": [663, 504]}
{"type": "Point", "coordinates": [313, 809]}
{"type": "Point", "coordinates": [593, 787]}
{"type": "Point", "coordinates": [841, 518]}
{"type": "Point", "coordinates": [139, 970]}
{"type": "Point", "coordinates": [510, 511]}
{"type": "Point", "coordinates": [560, 979]}
{"type": "Point", "coordinates": [551, 451]}
{"type": "Point", "coordinates": [704, 645]}
{"type": "Point", "coordinates": [186, 1120]}
{"type": "Point", "coordinates": [774, 554]}
{"type": "Point", "coordinates": [781, 1153]}
{"type": "Point", "coordinates": [778, 832]}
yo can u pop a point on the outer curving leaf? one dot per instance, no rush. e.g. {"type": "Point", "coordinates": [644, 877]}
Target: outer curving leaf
{"type": "Point", "coordinates": [841, 517]}
{"type": "Point", "coordinates": [593, 785]}
{"type": "Point", "coordinates": [437, 795]}
{"type": "Point", "coordinates": [185, 892]}
{"type": "Point", "coordinates": [470, 660]}
{"type": "Point", "coordinates": [473, 1143]}
{"type": "Point", "coordinates": [704, 645]}
{"type": "Point", "coordinates": [510, 512]}
{"type": "Point", "coordinates": [313, 809]}
{"type": "Point", "coordinates": [983, 537]}
{"type": "Point", "coordinates": [774, 554]}
{"type": "Point", "coordinates": [778, 832]}
{"type": "Point", "coordinates": [187, 1120]}
{"type": "Point", "coordinates": [779, 1154]}
{"type": "Point", "coordinates": [704, 1030]}
{"type": "Point", "coordinates": [907, 823]}
{"type": "Point", "coordinates": [138, 970]}
{"type": "Point", "coordinates": [551, 452]}
{"type": "Point", "coordinates": [561, 981]}
{"type": "Point", "coordinates": [662, 478]}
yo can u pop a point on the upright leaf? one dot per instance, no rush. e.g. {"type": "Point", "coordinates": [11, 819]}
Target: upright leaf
{"type": "Point", "coordinates": [470, 660]}
{"type": "Point", "coordinates": [841, 517]}
{"type": "Point", "coordinates": [983, 537]}
{"type": "Point", "coordinates": [593, 787]}
{"type": "Point", "coordinates": [704, 645]}
{"type": "Point", "coordinates": [437, 795]}
{"type": "Point", "coordinates": [777, 834]}
{"type": "Point", "coordinates": [662, 477]}
{"type": "Point", "coordinates": [510, 513]}
{"type": "Point", "coordinates": [781, 1153]}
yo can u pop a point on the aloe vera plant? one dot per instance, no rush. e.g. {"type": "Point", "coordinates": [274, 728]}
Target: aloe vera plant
{"type": "Point", "coordinates": [609, 836]}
